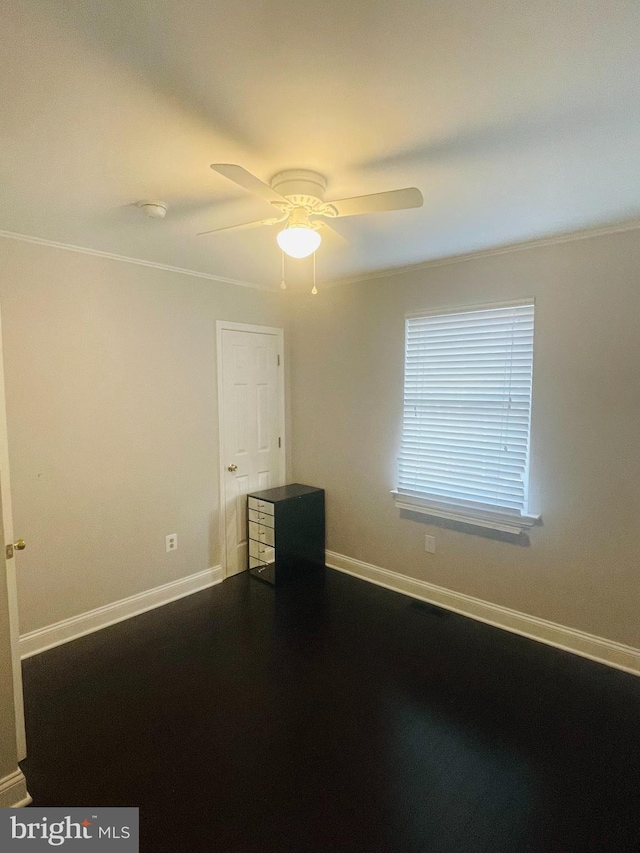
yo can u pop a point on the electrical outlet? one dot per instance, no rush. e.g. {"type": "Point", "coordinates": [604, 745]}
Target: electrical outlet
{"type": "Point", "coordinates": [430, 544]}
{"type": "Point", "coordinates": [171, 542]}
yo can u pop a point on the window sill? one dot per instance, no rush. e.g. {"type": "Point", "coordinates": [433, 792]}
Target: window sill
{"type": "Point", "coordinates": [494, 520]}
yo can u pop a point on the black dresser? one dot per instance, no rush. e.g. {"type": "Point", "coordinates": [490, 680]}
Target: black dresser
{"type": "Point", "coordinates": [286, 532]}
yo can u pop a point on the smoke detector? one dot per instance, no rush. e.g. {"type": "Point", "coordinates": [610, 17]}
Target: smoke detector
{"type": "Point", "coordinates": [154, 209]}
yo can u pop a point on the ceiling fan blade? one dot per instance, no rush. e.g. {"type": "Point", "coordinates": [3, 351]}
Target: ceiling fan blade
{"type": "Point", "coordinates": [332, 235]}
{"type": "Point", "coordinates": [249, 182]}
{"type": "Point", "coordinates": [378, 202]}
{"type": "Point", "coordinates": [244, 226]}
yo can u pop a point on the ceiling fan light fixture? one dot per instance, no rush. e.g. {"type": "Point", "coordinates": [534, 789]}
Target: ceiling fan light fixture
{"type": "Point", "coordinates": [299, 241]}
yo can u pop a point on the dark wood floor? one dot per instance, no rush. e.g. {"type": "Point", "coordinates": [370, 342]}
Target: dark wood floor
{"type": "Point", "coordinates": [335, 716]}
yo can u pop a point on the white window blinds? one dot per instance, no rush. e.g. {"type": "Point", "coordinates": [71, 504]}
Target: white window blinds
{"type": "Point", "coordinates": [467, 408]}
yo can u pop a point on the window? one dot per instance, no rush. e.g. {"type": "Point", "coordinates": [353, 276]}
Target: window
{"type": "Point", "coordinates": [467, 411]}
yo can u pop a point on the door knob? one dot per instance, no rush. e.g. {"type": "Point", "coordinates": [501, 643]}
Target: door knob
{"type": "Point", "coordinates": [232, 468]}
{"type": "Point", "coordinates": [20, 545]}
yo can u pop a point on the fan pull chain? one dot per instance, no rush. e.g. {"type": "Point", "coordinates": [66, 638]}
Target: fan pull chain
{"type": "Point", "coordinates": [315, 289]}
{"type": "Point", "coordinates": [283, 285]}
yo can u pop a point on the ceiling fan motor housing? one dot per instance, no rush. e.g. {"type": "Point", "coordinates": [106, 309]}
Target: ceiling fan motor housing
{"type": "Point", "coordinates": [301, 187]}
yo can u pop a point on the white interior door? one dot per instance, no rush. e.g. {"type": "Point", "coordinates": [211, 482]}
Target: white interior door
{"type": "Point", "coordinates": [10, 567]}
{"type": "Point", "coordinates": [251, 400]}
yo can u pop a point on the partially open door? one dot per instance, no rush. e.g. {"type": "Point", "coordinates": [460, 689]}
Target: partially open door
{"type": "Point", "coordinates": [12, 591]}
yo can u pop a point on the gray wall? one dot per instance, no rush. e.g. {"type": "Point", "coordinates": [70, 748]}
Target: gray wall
{"type": "Point", "coordinates": [581, 569]}
{"type": "Point", "coordinates": [112, 421]}
{"type": "Point", "coordinates": [112, 416]}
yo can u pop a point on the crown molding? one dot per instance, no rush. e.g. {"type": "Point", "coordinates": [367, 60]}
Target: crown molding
{"type": "Point", "coordinates": [385, 272]}
{"type": "Point", "coordinates": [507, 248]}
{"type": "Point", "coordinates": [41, 241]}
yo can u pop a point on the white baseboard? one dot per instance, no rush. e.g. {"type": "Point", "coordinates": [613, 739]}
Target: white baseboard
{"type": "Point", "coordinates": [578, 642]}
{"type": "Point", "coordinates": [94, 620]}
{"type": "Point", "coordinates": [13, 791]}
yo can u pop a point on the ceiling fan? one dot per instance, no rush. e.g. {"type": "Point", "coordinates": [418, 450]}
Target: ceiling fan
{"type": "Point", "coordinates": [298, 197]}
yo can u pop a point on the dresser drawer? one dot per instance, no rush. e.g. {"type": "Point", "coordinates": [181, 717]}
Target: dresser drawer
{"type": "Point", "coordinates": [260, 517]}
{"type": "Point", "coordinates": [262, 506]}
{"type": "Point", "coordinates": [261, 533]}
{"type": "Point", "coordinates": [259, 551]}
{"type": "Point", "coordinates": [260, 561]}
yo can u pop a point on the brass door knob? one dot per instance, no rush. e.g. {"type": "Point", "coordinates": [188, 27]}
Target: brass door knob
{"type": "Point", "coordinates": [232, 468]}
{"type": "Point", "coordinates": [20, 545]}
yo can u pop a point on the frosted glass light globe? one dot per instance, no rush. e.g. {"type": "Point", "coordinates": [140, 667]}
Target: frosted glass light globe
{"type": "Point", "coordinates": [298, 242]}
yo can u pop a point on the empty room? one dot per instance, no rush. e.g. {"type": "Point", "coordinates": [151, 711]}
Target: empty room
{"type": "Point", "coordinates": [319, 407]}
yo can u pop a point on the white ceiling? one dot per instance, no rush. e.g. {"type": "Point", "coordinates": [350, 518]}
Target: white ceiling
{"type": "Point", "coordinates": [516, 119]}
